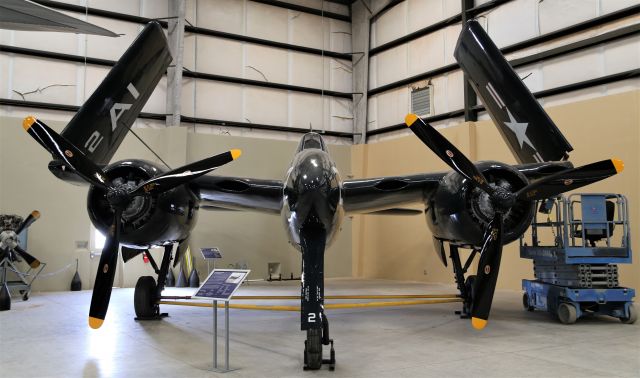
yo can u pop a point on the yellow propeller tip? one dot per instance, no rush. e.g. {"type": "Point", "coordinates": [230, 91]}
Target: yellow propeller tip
{"type": "Point", "coordinates": [478, 323]}
{"type": "Point", "coordinates": [95, 323]}
{"type": "Point", "coordinates": [34, 264]}
{"type": "Point", "coordinates": [236, 154]}
{"type": "Point", "coordinates": [618, 164]}
{"type": "Point", "coordinates": [410, 119]}
{"type": "Point", "coordinates": [28, 122]}
{"type": "Point", "coordinates": [35, 214]}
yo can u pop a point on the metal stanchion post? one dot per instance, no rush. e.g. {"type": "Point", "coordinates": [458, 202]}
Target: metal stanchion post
{"type": "Point", "coordinates": [215, 334]}
{"type": "Point", "coordinates": [226, 329]}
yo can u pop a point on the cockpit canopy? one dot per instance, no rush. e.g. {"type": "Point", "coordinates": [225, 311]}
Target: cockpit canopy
{"type": "Point", "coordinates": [311, 140]}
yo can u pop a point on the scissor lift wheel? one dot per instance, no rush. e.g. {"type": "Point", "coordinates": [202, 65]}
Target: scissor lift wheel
{"type": "Point", "coordinates": [633, 316]}
{"type": "Point", "coordinates": [526, 303]}
{"type": "Point", "coordinates": [567, 313]}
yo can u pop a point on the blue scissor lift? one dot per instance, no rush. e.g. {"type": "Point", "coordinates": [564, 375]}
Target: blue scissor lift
{"type": "Point", "coordinates": [575, 257]}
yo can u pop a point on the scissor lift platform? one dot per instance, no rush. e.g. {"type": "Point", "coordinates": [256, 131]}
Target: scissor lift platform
{"type": "Point", "coordinates": [575, 257]}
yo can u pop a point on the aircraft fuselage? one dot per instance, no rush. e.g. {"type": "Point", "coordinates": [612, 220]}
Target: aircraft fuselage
{"type": "Point", "coordinates": [312, 195]}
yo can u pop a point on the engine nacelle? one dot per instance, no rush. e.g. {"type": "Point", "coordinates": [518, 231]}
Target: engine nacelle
{"type": "Point", "coordinates": [148, 220]}
{"type": "Point", "coordinates": [459, 212]}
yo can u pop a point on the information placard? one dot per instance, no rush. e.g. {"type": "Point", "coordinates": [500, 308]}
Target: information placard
{"type": "Point", "coordinates": [211, 253]}
{"type": "Point", "coordinates": [221, 284]}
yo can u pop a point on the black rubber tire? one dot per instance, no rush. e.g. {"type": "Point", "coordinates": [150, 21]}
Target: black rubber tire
{"type": "Point", "coordinates": [144, 297]}
{"type": "Point", "coordinates": [469, 284]}
{"type": "Point", "coordinates": [525, 302]}
{"type": "Point", "coordinates": [567, 313]}
{"type": "Point", "coordinates": [313, 349]}
{"type": "Point", "coordinates": [633, 316]}
{"type": "Point", "coordinates": [25, 296]}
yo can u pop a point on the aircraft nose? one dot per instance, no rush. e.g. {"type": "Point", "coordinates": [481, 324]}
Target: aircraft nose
{"type": "Point", "coordinates": [313, 186]}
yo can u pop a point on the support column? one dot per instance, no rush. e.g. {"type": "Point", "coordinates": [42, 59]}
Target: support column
{"type": "Point", "coordinates": [360, 43]}
{"type": "Point", "coordinates": [176, 25]}
{"type": "Point", "coordinates": [361, 13]}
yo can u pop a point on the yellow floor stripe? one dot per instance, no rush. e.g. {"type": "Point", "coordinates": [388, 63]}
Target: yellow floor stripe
{"type": "Point", "coordinates": [334, 306]}
{"type": "Point", "coordinates": [390, 296]}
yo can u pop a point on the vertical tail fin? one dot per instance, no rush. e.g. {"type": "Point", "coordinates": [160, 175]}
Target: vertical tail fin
{"type": "Point", "coordinates": [530, 133]}
{"type": "Point", "coordinates": [103, 121]}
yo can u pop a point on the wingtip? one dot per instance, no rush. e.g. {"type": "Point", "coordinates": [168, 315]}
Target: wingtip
{"type": "Point", "coordinates": [35, 214]}
{"type": "Point", "coordinates": [28, 122]}
{"type": "Point", "coordinates": [478, 323]}
{"type": "Point", "coordinates": [95, 323]}
{"type": "Point", "coordinates": [410, 119]}
{"type": "Point", "coordinates": [618, 164]}
{"type": "Point", "coordinates": [236, 154]}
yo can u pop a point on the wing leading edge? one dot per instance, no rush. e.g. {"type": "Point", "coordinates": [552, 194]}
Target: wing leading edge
{"type": "Point", "coordinates": [236, 193]}
{"type": "Point", "coordinates": [380, 195]}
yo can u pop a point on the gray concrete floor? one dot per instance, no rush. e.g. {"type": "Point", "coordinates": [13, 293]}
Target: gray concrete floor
{"type": "Point", "coordinates": [48, 336]}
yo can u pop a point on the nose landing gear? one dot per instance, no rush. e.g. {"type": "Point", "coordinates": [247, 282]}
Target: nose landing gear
{"type": "Point", "coordinates": [316, 338]}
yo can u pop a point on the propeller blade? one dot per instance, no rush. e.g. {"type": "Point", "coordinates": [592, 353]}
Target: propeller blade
{"type": "Point", "coordinates": [184, 174]}
{"type": "Point", "coordinates": [32, 261]}
{"type": "Point", "coordinates": [487, 274]}
{"type": "Point", "coordinates": [106, 273]}
{"type": "Point", "coordinates": [28, 221]}
{"type": "Point", "coordinates": [570, 179]}
{"type": "Point", "coordinates": [65, 151]}
{"type": "Point", "coordinates": [446, 151]}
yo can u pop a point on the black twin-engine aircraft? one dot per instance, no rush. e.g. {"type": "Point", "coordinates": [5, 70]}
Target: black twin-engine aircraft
{"type": "Point", "coordinates": [481, 206]}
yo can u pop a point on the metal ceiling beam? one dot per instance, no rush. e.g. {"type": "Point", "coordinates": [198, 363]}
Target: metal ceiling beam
{"type": "Point", "coordinates": [190, 29]}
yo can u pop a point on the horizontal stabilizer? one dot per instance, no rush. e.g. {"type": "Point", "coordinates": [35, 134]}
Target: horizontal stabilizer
{"type": "Point", "coordinates": [530, 133]}
{"type": "Point", "coordinates": [27, 15]}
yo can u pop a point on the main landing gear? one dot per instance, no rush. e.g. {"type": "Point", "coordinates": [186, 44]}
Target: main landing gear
{"type": "Point", "coordinates": [465, 285]}
{"type": "Point", "coordinates": [147, 292]}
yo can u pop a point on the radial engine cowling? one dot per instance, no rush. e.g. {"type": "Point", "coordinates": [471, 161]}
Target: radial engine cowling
{"type": "Point", "coordinates": [459, 212]}
{"type": "Point", "coordinates": [147, 220]}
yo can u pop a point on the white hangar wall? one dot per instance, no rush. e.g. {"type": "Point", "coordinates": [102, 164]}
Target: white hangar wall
{"type": "Point", "coordinates": [68, 83]}
{"type": "Point", "coordinates": [29, 185]}
{"type": "Point", "coordinates": [507, 24]}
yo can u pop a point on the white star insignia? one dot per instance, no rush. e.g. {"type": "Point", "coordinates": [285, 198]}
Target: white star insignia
{"type": "Point", "coordinates": [520, 129]}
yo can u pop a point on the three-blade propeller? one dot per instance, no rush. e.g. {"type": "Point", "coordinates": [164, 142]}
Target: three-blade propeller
{"type": "Point", "coordinates": [119, 197]}
{"type": "Point", "coordinates": [26, 223]}
{"type": "Point", "coordinates": [502, 200]}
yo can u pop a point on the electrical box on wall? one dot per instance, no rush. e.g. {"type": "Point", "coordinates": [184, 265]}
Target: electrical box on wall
{"type": "Point", "coordinates": [422, 100]}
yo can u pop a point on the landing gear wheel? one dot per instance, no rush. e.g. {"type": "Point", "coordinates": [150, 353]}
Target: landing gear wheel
{"type": "Point", "coordinates": [469, 285]}
{"type": "Point", "coordinates": [525, 302]}
{"type": "Point", "coordinates": [313, 349]}
{"type": "Point", "coordinates": [144, 298]}
{"type": "Point", "coordinates": [567, 313]}
{"type": "Point", "coordinates": [25, 296]}
{"type": "Point", "coordinates": [633, 316]}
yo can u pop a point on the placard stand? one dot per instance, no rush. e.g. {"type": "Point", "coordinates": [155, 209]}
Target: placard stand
{"type": "Point", "coordinates": [226, 338]}
{"type": "Point", "coordinates": [211, 254]}
{"type": "Point", "coordinates": [220, 285]}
